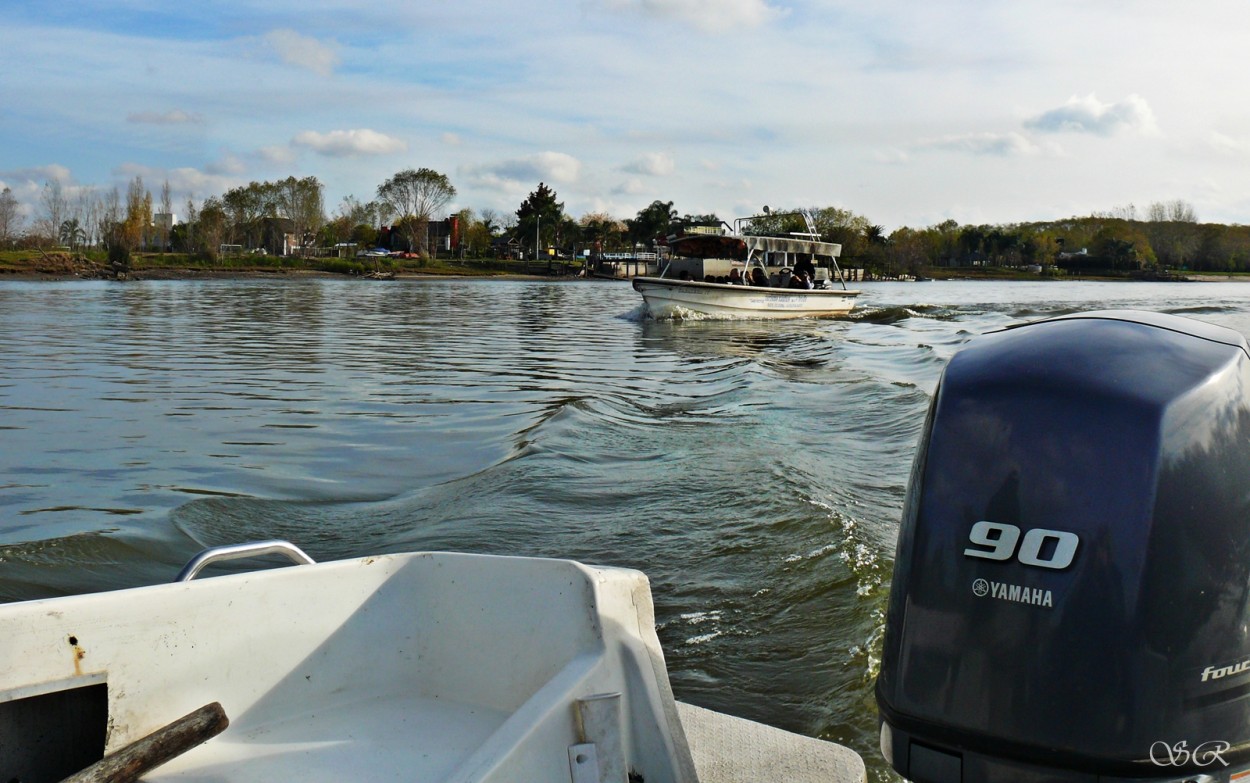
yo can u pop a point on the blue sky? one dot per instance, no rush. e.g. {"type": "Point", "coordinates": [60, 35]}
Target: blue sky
{"type": "Point", "coordinates": [908, 113]}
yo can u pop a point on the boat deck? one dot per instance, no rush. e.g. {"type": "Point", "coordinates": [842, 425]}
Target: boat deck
{"type": "Point", "coordinates": [426, 666]}
{"type": "Point", "coordinates": [735, 750]}
{"type": "Point", "coordinates": [435, 738]}
{"type": "Point", "coordinates": [401, 739]}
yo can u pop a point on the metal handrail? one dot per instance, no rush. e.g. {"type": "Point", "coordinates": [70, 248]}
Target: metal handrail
{"type": "Point", "coordinates": [219, 554]}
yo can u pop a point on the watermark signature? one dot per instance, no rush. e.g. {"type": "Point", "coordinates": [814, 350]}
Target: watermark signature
{"type": "Point", "coordinates": [1180, 754]}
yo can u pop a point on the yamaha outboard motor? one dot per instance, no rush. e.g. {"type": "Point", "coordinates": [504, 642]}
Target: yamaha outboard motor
{"type": "Point", "coordinates": [1071, 596]}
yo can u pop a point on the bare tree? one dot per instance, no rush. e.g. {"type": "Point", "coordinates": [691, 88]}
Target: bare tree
{"type": "Point", "coordinates": [415, 195]}
{"type": "Point", "coordinates": [53, 210]}
{"type": "Point", "coordinates": [1173, 232]}
{"type": "Point", "coordinates": [110, 215]}
{"type": "Point", "coordinates": [1126, 212]}
{"type": "Point", "coordinates": [492, 220]}
{"type": "Point", "coordinates": [1182, 211]}
{"type": "Point", "coordinates": [87, 213]}
{"type": "Point", "coordinates": [1176, 211]}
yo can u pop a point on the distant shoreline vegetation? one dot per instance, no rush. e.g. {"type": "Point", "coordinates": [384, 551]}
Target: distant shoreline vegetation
{"type": "Point", "coordinates": [284, 224]}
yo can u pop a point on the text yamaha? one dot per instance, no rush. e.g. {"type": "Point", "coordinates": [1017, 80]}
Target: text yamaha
{"type": "Point", "coordinates": [1034, 596]}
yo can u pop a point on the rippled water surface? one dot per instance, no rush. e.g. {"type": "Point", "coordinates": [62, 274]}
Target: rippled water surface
{"type": "Point", "coordinates": [755, 471]}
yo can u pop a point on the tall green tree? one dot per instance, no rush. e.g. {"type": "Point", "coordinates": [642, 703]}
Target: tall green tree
{"type": "Point", "coordinates": [301, 202]}
{"type": "Point", "coordinates": [1122, 245]}
{"type": "Point", "coordinates": [10, 217]}
{"type": "Point", "coordinates": [126, 233]}
{"type": "Point", "coordinates": [166, 225]}
{"type": "Point", "coordinates": [414, 196]}
{"type": "Point", "coordinates": [213, 227]}
{"type": "Point", "coordinates": [72, 234]}
{"type": "Point", "coordinates": [709, 219]}
{"type": "Point", "coordinates": [652, 222]}
{"type": "Point", "coordinates": [602, 231]}
{"type": "Point", "coordinates": [907, 249]}
{"type": "Point", "coordinates": [841, 226]}
{"type": "Point", "coordinates": [539, 218]}
{"type": "Point", "coordinates": [354, 221]}
{"type": "Point", "coordinates": [244, 207]}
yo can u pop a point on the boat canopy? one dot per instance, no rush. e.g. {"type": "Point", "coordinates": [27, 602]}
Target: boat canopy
{"type": "Point", "coordinates": [788, 245]}
{"type": "Point", "coordinates": [709, 246]}
{"type": "Point", "coordinates": [741, 246]}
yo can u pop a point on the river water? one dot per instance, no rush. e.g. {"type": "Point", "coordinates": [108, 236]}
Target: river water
{"type": "Point", "coordinates": [754, 471]}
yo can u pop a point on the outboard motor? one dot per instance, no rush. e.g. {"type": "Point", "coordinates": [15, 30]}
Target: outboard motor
{"type": "Point", "coordinates": [1071, 595]}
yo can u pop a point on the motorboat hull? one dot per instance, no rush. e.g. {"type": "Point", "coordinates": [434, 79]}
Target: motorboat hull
{"type": "Point", "coordinates": [422, 666]}
{"type": "Point", "coordinates": [667, 299]}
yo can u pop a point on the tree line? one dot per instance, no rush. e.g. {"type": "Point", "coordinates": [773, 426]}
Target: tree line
{"type": "Point", "coordinates": [288, 216]}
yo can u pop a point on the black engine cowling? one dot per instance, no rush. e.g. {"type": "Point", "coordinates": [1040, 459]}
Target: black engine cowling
{"type": "Point", "coordinates": [1071, 594]}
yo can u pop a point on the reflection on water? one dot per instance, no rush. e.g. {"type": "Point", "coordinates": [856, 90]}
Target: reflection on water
{"type": "Point", "coordinates": [754, 470]}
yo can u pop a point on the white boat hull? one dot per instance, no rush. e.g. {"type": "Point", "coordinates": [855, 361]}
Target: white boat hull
{"type": "Point", "coordinates": [430, 667]}
{"type": "Point", "coordinates": [688, 299]}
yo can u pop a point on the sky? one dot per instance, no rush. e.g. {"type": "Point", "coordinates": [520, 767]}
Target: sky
{"type": "Point", "coordinates": [908, 113]}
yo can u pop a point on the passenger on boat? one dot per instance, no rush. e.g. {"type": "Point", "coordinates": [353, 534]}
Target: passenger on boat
{"type": "Point", "coordinates": [759, 278]}
{"type": "Point", "coordinates": [800, 280]}
{"type": "Point", "coordinates": [806, 266]}
{"type": "Point", "coordinates": [735, 277]}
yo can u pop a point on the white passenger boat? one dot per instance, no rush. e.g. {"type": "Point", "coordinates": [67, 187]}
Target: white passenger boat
{"type": "Point", "coordinates": [696, 283]}
{"type": "Point", "coordinates": [668, 298]}
{"type": "Point", "coordinates": [417, 667]}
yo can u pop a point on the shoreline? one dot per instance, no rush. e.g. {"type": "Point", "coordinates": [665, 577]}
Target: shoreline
{"type": "Point", "coordinates": [30, 276]}
{"type": "Point", "coordinates": [62, 268]}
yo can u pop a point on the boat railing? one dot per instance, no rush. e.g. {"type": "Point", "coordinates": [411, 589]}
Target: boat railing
{"type": "Point", "coordinates": [219, 554]}
{"type": "Point", "coordinates": [811, 233]}
{"type": "Point", "coordinates": [629, 256]}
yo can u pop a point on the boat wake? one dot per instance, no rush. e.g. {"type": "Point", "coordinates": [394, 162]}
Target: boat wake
{"type": "Point", "coordinates": [637, 315]}
{"type": "Point", "coordinates": [898, 313]}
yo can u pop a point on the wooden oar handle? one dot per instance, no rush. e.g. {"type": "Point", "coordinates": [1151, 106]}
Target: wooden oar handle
{"type": "Point", "coordinates": [143, 755]}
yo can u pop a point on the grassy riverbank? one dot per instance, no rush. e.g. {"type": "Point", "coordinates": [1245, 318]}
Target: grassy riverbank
{"type": "Point", "coordinates": [94, 264]}
{"type": "Point", "coordinates": [62, 265]}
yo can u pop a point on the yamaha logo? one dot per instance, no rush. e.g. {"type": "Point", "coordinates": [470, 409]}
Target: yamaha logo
{"type": "Point", "coordinates": [1034, 596]}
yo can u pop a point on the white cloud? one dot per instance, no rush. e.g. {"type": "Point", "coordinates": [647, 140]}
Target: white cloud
{"type": "Point", "coordinates": [709, 16]}
{"type": "Point", "coordinates": [230, 164]}
{"type": "Point", "coordinates": [303, 51]}
{"type": "Point", "coordinates": [53, 172]}
{"type": "Point", "coordinates": [172, 117]}
{"type": "Point", "coordinates": [891, 157]}
{"type": "Point", "coordinates": [654, 164]}
{"type": "Point", "coordinates": [1228, 145]}
{"type": "Point", "coordinates": [545, 166]}
{"type": "Point", "coordinates": [184, 182]}
{"type": "Point", "coordinates": [630, 187]}
{"type": "Point", "coordinates": [349, 143]}
{"type": "Point", "coordinates": [1090, 115]}
{"type": "Point", "coordinates": [276, 154]}
{"type": "Point", "coordinates": [998, 144]}
{"type": "Point", "coordinates": [451, 139]}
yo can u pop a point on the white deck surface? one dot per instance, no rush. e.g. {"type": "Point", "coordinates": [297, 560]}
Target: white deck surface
{"type": "Point", "coordinates": [396, 738]}
{"type": "Point", "coordinates": [735, 750]}
{"type": "Point", "coordinates": [419, 667]}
